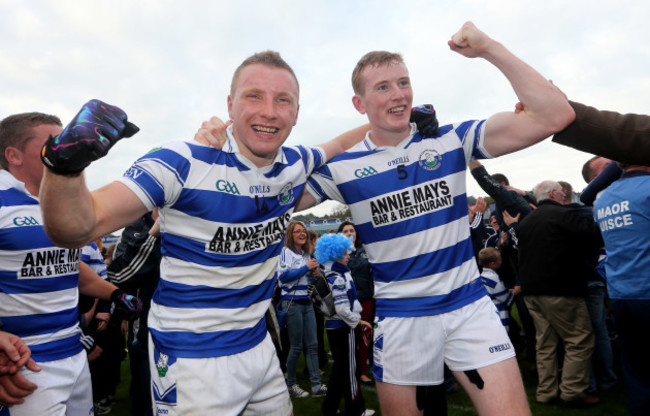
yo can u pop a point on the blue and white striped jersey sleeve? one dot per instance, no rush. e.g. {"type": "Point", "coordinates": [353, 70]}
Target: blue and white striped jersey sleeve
{"type": "Point", "coordinates": [472, 137]}
{"type": "Point", "coordinates": [158, 177]}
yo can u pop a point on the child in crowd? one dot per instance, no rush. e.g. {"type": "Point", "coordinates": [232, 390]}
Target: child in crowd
{"type": "Point", "coordinates": [332, 251]}
{"type": "Point", "coordinates": [490, 259]}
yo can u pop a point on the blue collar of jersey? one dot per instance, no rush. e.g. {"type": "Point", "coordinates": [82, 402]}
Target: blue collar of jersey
{"type": "Point", "coordinates": [340, 267]}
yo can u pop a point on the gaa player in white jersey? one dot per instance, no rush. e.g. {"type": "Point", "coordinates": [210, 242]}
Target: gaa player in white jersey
{"type": "Point", "coordinates": [407, 196]}
{"type": "Point", "coordinates": [40, 283]}
{"type": "Point", "coordinates": [223, 214]}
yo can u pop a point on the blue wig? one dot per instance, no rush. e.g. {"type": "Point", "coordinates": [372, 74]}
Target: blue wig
{"type": "Point", "coordinates": [332, 246]}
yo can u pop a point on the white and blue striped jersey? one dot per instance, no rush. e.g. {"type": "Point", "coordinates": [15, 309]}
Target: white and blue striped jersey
{"type": "Point", "coordinates": [38, 281]}
{"type": "Point", "coordinates": [499, 293]}
{"type": "Point", "coordinates": [346, 302]}
{"type": "Point", "coordinates": [290, 260]}
{"type": "Point", "coordinates": [223, 222]}
{"type": "Point", "coordinates": [409, 206]}
{"type": "Point", "coordinates": [91, 255]}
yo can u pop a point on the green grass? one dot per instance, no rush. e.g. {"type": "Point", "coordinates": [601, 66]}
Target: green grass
{"type": "Point", "coordinates": [612, 403]}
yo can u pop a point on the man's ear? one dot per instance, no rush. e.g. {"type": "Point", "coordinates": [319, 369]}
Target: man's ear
{"type": "Point", "coordinates": [230, 107]}
{"type": "Point", "coordinates": [13, 156]}
{"type": "Point", "coordinates": [297, 112]}
{"type": "Point", "coordinates": [358, 104]}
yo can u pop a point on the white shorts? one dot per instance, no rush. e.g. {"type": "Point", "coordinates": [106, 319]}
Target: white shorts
{"type": "Point", "coordinates": [248, 383]}
{"type": "Point", "coordinates": [409, 351]}
{"type": "Point", "coordinates": [64, 388]}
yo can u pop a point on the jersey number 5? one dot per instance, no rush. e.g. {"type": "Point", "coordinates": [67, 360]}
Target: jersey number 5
{"type": "Point", "coordinates": [401, 172]}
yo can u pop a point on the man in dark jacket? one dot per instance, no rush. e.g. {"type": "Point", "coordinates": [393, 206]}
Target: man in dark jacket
{"type": "Point", "coordinates": [554, 241]}
{"type": "Point", "coordinates": [135, 268]}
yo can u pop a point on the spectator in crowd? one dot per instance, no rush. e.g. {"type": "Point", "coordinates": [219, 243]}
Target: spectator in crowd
{"type": "Point", "coordinates": [623, 214]}
{"type": "Point", "coordinates": [606, 177]}
{"type": "Point", "coordinates": [602, 376]}
{"type": "Point", "coordinates": [620, 137]}
{"type": "Point", "coordinates": [362, 276]}
{"type": "Point", "coordinates": [224, 259]}
{"type": "Point", "coordinates": [135, 268]}
{"type": "Point", "coordinates": [505, 240]}
{"type": "Point", "coordinates": [91, 320]}
{"type": "Point", "coordinates": [478, 230]}
{"type": "Point", "coordinates": [490, 260]}
{"type": "Point", "coordinates": [295, 272]}
{"type": "Point", "coordinates": [506, 197]}
{"type": "Point", "coordinates": [593, 167]}
{"type": "Point", "coordinates": [517, 203]}
{"type": "Point", "coordinates": [416, 187]}
{"type": "Point", "coordinates": [554, 240]}
{"type": "Point", "coordinates": [108, 352]}
{"type": "Point", "coordinates": [39, 282]}
{"type": "Point", "coordinates": [332, 251]}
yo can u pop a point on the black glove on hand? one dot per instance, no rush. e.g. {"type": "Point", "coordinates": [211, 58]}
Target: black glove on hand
{"type": "Point", "coordinates": [94, 130]}
{"type": "Point", "coordinates": [425, 117]}
{"type": "Point", "coordinates": [126, 306]}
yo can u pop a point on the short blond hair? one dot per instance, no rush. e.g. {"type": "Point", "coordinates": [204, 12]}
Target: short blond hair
{"type": "Point", "coordinates": [268, 58]}
{"type": "Point", "coordinates": [374, 58]}
{"type": "Point", "coordinates": [488, 255]}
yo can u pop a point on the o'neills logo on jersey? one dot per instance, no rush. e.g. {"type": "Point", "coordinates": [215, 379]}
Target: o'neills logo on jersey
{"type": "Point", "coordinates": [285, 196]}
{"type": "Point", "coordinates": [425, 198]}
{"type": "Point", "coordinates": [259, 189]}
{"type": "Point", "coordinates": [227, 187]}
{"type": "Point", "coordinates": [430, 160]}
{"type": "Point", "coordinates": [500, 347]}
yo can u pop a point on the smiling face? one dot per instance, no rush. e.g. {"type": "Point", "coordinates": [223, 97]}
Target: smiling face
{"type": "Point", "coordinates": [264, 108]}
{"type": "Point", "coordinates": [386, 97]}
{"type": "Point", "coordinates": [299, 236]}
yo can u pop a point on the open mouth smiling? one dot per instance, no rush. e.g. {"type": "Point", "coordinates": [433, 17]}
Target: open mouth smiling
{"type": "Point", "coordinates": [397, 109]}
{"type": "Point", "coordinates": [265, 129]}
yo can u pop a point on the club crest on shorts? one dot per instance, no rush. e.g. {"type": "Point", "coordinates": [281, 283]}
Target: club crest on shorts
{"type": "Point", "coordinates": [162, 365]}
{"type": "Point", "coordinates": [430, 160]}
{"type": "Point", "coordinates": [285, 196]}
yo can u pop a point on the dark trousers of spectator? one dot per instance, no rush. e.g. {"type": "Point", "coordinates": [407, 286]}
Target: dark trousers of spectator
{"type": "Point", "coordinates": [365, 351]}
{"type": "Point", "coordinates": [105, 370]}
{"type": "Point", "coordinates": [632, 322]}
{"type": "Point", "coordinates": [602, 376]}
{"type": "Point", "coordinates": [140, 389]}
{"type": "Point", "coordinates": [529, 328]}
{"type": "Point", "coordinates": [283, 350]}
{"type": "Point", "coordinates": [344, 379]}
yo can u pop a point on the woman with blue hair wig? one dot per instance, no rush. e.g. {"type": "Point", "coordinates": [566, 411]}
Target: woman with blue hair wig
{"type": "Point", "coordinates": [333, 252]}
